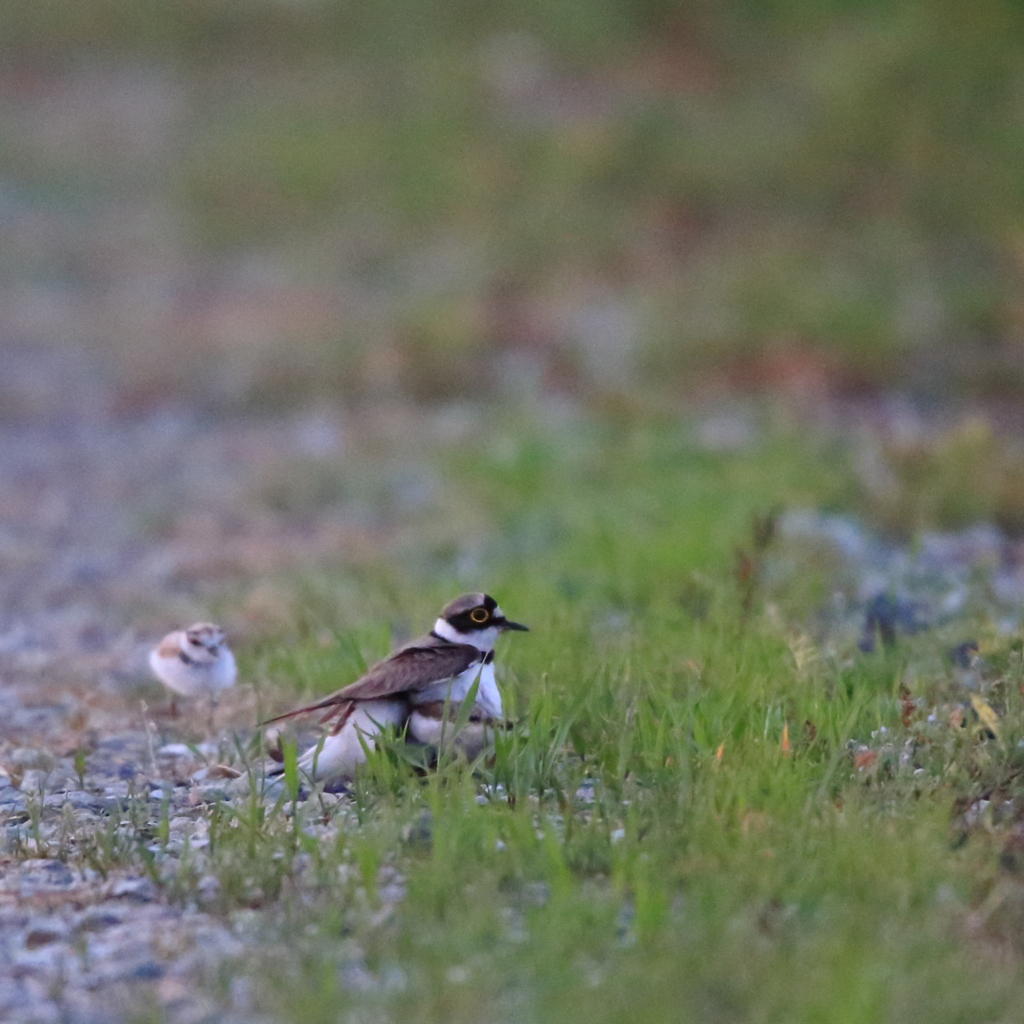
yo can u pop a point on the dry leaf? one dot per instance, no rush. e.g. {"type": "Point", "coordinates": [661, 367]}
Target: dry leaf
{"type": "Point", "coordinates": [907, 707]}
{"type": "Point", "coordinates": [864, 759]}
{"type": "Point", "coordinates": [988, 717]}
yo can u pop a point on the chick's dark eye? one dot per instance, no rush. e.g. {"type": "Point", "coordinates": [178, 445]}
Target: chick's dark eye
{"type": "Point", "coordinates": [479, 615]}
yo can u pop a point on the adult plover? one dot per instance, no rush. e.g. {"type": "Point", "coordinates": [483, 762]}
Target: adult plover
{"type": "Point", "coordinates": [419, 687]}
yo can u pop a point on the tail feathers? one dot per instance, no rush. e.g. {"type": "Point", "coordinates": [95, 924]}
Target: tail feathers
{"type": "Point", "coordinates": [331, 703]}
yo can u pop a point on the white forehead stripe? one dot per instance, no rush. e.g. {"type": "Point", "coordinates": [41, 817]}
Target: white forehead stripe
{"type": "Point", "coordinates": [498, 613]}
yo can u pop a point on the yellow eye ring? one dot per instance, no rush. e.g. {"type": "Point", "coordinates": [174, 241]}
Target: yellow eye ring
{"type": "Point", "coordinates": [479, 615]}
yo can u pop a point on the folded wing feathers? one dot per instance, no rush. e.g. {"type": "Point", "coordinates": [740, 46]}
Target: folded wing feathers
{"type": "Point", "coordinates": [413, 667]}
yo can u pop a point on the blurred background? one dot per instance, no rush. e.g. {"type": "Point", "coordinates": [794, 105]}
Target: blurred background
{"type": "Point", "coordinates": [269, 204]}
{"type": "Point", "coordinates": [266, 264]}
{"type": "Point", "coordinates": [693, 331]}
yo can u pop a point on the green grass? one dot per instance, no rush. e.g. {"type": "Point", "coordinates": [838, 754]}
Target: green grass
{"type": "Point", "coordinates": [676, 831]}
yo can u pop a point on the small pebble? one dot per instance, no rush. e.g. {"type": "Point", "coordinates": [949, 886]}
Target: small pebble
{"type": "Point", "coordinates": [141, 889]}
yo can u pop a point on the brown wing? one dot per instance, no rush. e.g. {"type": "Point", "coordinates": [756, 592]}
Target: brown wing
{"type": "Point", "coordinates": [169, 646]}
{"type": "Point", "coordinates": [413, 667]}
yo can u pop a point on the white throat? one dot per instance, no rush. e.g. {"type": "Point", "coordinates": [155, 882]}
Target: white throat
{"type": "Point", "coordinates": [481, 639]}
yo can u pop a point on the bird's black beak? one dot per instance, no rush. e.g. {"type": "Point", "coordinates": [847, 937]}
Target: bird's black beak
{"type": "Point", "coordinates": [508, 624]}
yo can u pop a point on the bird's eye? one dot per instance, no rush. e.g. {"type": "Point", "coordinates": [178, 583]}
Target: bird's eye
{"type": "Point", "coordinates": [479, 615]}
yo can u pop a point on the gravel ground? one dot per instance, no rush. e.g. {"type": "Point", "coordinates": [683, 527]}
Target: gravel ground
{"type": "Point", "coordinates": [112, 531]}
{"type": "Point", "coordinates": [98, 944]}
{"type": "Point", "coordinates": [884, 590]}
{"type": "Point", "coordinates": [101, 944]}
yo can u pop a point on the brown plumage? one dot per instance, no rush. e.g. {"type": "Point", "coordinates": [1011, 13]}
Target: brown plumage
{"type": "Point", "coordinates": [169, 646]}
{"type": "Point", "coordinates": [415, 666]}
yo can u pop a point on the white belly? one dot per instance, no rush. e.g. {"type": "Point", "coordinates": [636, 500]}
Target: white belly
{"type": "Point", "coordinates": [224, 671]}
{"type": "Point", "coordinates": [488, 699]}
{"type": "Point", "coordinates": [194, 680]}
{"type": "Point", "coordinates": [338, 756]}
